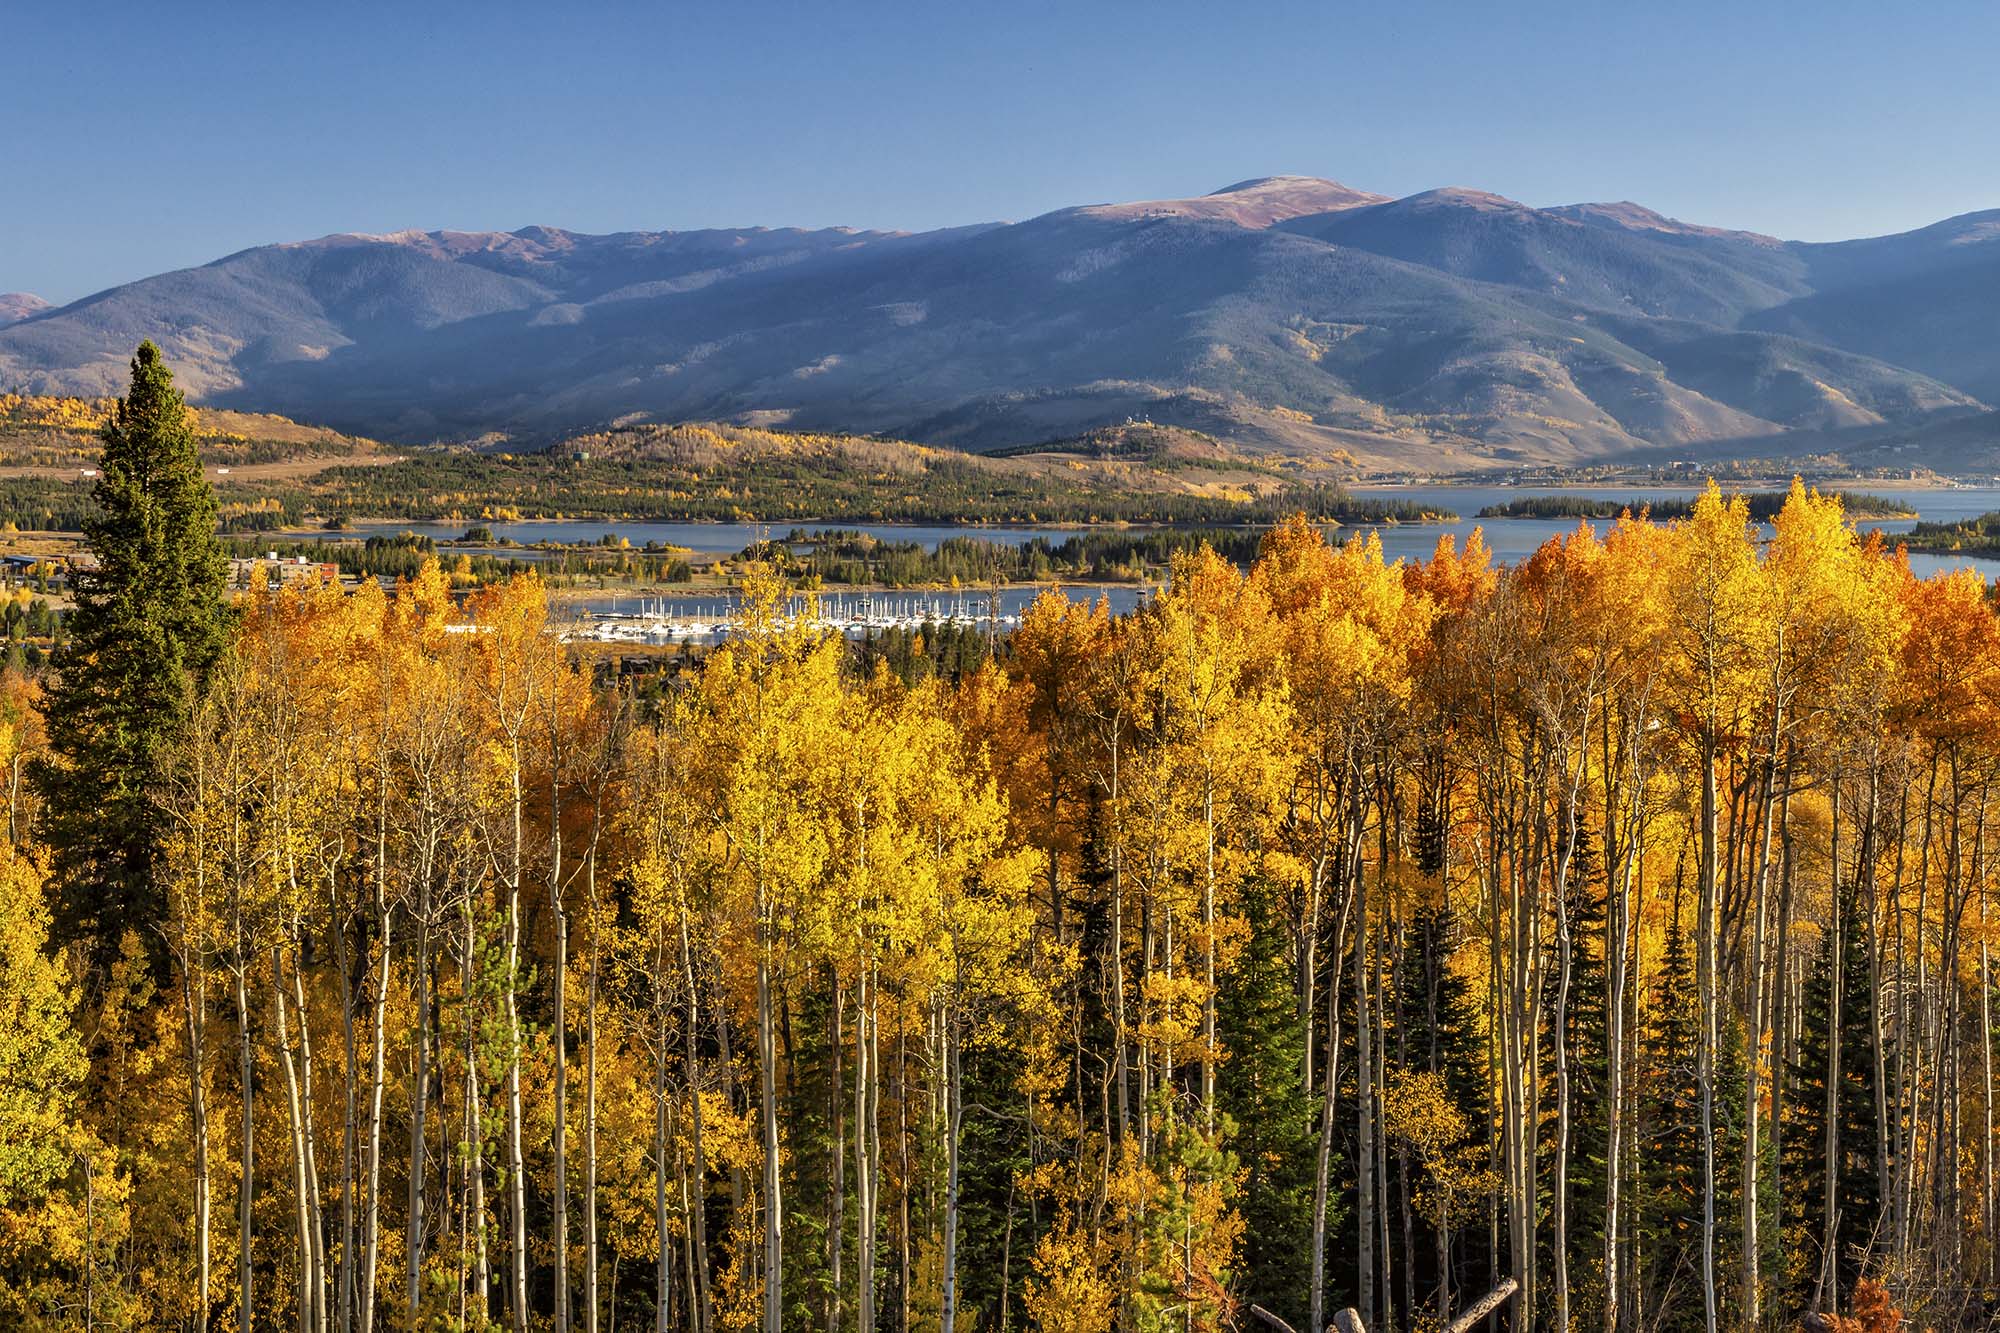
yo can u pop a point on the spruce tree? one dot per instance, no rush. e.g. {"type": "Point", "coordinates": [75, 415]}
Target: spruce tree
{"type": "Point", "coordinates": [148, 629]}
{"type": "Point", "coordinates": [1276, 1119]}
{"type": "Point", "coordinates": [1586, 1030]}
{"type": "Point", "coordinates": [1667, 1216]}
{"type": "Point", "coordinates": [1442, 1035]}
{"type": "Point", "coordinates": [1857, 1190]}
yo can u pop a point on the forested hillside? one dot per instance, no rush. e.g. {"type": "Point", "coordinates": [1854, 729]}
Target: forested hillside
{"type": "Point", "coordinates": [1328, 933]}
{"type": "Point", "coordinates": [55, 432]}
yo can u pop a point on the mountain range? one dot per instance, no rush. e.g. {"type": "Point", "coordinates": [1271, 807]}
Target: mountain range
{"type": "Point", "coordinates": [1452, 329]}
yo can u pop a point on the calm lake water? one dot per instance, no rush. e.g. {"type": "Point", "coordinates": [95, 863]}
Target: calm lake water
{"type": "Point", "coordinates": [1513, 539]}
{"type": "Point", "coordinates": [1510, 539]}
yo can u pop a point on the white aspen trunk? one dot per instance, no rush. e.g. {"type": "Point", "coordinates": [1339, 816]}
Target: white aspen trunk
{"type": "Point", "coordinates": [1209, 1045]}
{"type": "Point", "coordinates": [836, 1220]}
{"type": "Point", "coordinates": [475, 1136]}
{"type": "Point", "coordinates": [1706, 984]}
{"type": "Point", "coordinates": [1120, 1060]}
{"type": "Point", "coordinates": [954, 1072]}
{"type": "Point", "coordinates": [867, 1145]}
{"type": "Point", "coordinates": [698, 1212]}
{"type": "Point", "coordinates": [1364, 1091]}
{"type": "Point", "coordinates": [1831, 1147]}
{"type": "Point", "coordinates": [767, 1057]}
{"type": "Point", "coordinates": [1754, 1023]}
{"type": "Point", "coordinates": [306, 1145]}
{"type": "Point", "coordinates": [415, 1220]}
{"type": "Point", "coordinates": [590, 1242]}
{"type": "Point", "coordinates": [309, 1140]}
{"type": "Point", "coordinates": [371, 1217]}
{"type": "Point", "coordinates": [1323, 1164]}
{"type": "Point", "coordinates": [517, 1174]}
{"type": "Point", "coordinates": [1618, 930]}
{"type": "Point", "coordinates": [1386, 1288]}
{"type": "Point", "coordinates": [1560, 1192]}
{"type": "Point", "coordinates": [349, 1136]}
{"type": "Point", "coordinates": [1986, 1093]}
{"type": "Point", "coordinates": [308, 1275]}
{"type": "Point", "coordinates": [195, 1001]}
{"type": "Point", "coordinates": [1565, 947]}
{"type": "Point", "coordinates": [371, 1220]}
{"type": "Point", "coordinates": [559, 1144]}
{"type": "Point", "coordinates": [1515, 1032]}
{"type": "Point", "coordinates": [246, 1186]}
{"type": "Point", "coordinates": [663, 1263]}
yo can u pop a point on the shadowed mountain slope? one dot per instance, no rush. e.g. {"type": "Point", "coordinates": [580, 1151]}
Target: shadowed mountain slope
{"type": "Point", "coordinates": [1452, 329]}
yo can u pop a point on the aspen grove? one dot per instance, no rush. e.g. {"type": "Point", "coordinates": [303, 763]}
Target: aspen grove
{"type": "Point", "coordinates": [1328, 933]}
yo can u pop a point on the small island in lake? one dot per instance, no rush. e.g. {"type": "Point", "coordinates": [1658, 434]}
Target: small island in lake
{"type": "Point", "coordinates": [1966, 536]}
{"type": "Point", "coordinates": [1764, 506]}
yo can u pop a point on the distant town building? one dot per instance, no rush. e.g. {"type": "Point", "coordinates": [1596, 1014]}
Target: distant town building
{"type": "Point", "coordinates": [296, 569]}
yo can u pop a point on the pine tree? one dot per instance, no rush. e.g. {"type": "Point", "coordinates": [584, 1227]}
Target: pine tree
{"type": "Point", "coordinates": [1442, 1036]}
{"type": "Point", "coordinates": [1275, 1118]}
{"type": "Point", "coordinates": [1857, 1190]}
{"type": "Point", "coordinates": [996, 1234]}
{"type": "Point", "coordinates": [148, 628]}
{"type": "Point", "coordinates": [1668, 1217]}
{"type": "Point", "coordinates": [1589, 1057]}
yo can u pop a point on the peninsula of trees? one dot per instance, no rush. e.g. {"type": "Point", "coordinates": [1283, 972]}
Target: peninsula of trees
{"type": "Point", "coordinates": [1763, 506]}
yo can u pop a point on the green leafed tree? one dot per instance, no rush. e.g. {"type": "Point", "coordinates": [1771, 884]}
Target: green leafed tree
{"type": "Point", "coordinates": [41, 1062]}
{"type": "Point", "coordinates": [148, 628]}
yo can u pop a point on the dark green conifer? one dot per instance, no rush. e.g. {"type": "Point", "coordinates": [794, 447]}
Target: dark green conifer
{"type": "Point", "coordinates": [1440, 1033]}
{"type": "Point", "coordinates": [148, 629]}
{"type": "Point", "coordinates": [1276, 1119]}
{"type": "Point", "coordinates": [1585, 1029]}
{"type": "Point", "coordinates": [1667, 1219]}
{"type": "Point", "coordinates": [1857, 1187]}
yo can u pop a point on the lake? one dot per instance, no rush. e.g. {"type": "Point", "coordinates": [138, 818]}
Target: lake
{"type": "Point", "coordinates": [1510, 539]}
{"type": "Point", "coordinates": [1513, 539]}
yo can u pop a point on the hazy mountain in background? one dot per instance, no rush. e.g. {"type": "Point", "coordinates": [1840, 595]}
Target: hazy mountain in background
{"type": "Point", "coordinates": [1450, 329]}
{"type": "Point", "coordinates": [17, 306]}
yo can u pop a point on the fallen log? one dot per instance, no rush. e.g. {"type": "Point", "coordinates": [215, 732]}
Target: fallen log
{"type": "Point", "coordinates": [1482, 1307]}
{"type": "Point", "coordinates": [1272, 1319]}
{"type": "Point", "coordinates": [1347, 1321]}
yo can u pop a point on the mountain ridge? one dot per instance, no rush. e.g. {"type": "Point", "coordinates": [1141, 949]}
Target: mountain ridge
{"type": "Point", "coordinates": [17, 306]}
{"type": "Point", "coordinates": [1454, 328]}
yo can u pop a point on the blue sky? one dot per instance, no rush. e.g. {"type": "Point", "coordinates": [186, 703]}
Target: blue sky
{"type": "Point", "coordinates": [135, 139]}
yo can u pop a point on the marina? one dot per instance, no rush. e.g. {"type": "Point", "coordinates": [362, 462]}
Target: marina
{"type": "Point", "coordinates": [666, 621]}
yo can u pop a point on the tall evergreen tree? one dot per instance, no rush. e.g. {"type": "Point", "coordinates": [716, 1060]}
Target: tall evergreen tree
{"type": "Point", "coordinates": [148, 629]}
{"type": "Point", "coordinates": [1856, 1187]}
{"type": "Point", "coordinates": [1442, 1035]}
{"type": "Point", "coordinates": [1590, 1079]}
{"type": "Point", "coordinates": [1276, 1119]}
{"type": "Point", "coordinates": [1667, 1219]}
